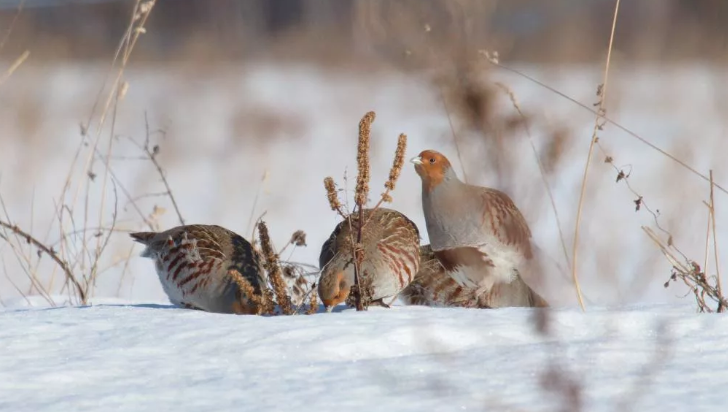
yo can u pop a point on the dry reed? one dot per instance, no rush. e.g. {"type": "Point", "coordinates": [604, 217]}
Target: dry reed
{"type": "Point", "coordinates": [598, 125]}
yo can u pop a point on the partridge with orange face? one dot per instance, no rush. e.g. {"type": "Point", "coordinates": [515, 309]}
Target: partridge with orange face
{"type": "Point", "coordinates": [477, 234]}
{"type": "Point", "coordinates": [390, 244]}
{"type": "Point", "coordinates": [193, 263]}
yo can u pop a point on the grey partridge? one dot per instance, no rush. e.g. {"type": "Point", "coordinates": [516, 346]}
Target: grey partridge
{"type": "Point", "coordinates": [193, 263]}
{"type": "Point", "coordinates": [478, 234]}
{"type": "Point", "coordinates": [433, 286]}
{"type": "Point", "coordinates": [390, 244]}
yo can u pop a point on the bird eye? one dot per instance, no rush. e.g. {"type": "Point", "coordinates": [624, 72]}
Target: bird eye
{"type": "Point", "coordinates": [432, 160]}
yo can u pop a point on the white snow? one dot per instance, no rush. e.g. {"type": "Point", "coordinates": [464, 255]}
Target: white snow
{"type": "Point", "coordinates": [147, 357]}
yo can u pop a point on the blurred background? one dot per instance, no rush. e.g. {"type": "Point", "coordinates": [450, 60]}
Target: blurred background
{"type": "Point", "coordinates": [252, 103]}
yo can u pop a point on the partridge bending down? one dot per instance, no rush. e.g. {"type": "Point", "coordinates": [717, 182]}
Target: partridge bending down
{"type": "Point", "coordinates": [193, 262]}
{"type": "Point", "coordinates": [390, 243]}
{"type": "Point", "coordinates": [477, 234]}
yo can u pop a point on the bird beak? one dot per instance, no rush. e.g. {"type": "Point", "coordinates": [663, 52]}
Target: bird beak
{"type": "Point", "coordinates": [416, 160]}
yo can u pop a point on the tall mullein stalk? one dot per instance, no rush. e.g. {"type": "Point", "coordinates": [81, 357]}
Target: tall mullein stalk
{"type": "Point", "coordinates": [360, 199]}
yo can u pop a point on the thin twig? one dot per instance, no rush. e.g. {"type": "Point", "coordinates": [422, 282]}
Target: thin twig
{"type": "Point", "coordinates": [602, 98]}
{"type": "Point", "coordinates": [69, 275]}
{"type": "Point", "coordinates": [6, 36]}
{"type": "Point", "coordinates": [152, 154]}
{"type": "Point", "coordinates": [263, 180]}
{"type": "Point", "coordinates": [612, 122]}
{"type": "Point", "coordinates": [721, 308]}
{"type": "Point", "coordinates": [541, 168]}
{"type": "Point", "coordinates": [14, 66]}
{"type": "Point", "coordinates": [454, 135]}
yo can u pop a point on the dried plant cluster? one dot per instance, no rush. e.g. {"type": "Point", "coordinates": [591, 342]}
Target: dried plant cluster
{"type": "Point", "coordinates": [286, 292]}
{"type": "Point", "coordinates": [360, 295]}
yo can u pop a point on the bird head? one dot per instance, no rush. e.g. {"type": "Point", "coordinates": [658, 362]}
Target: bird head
{"type": "Point", "coordinates": [333, 289]}
{"type": "Point", "coordinates": [433, 167]}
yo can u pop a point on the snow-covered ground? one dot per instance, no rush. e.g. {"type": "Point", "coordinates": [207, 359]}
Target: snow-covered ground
{"type": "Point", "coordinates": [148, 357]}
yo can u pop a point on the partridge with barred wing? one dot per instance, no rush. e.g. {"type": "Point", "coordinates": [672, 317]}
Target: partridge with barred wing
{"type": "Point", "coordinates": [477, 234]}
{"type": "Point", "coordinates": [194, 264]}
{"type": "Point", "coordinates": [390, 243]}
{"type": "Point", "coordinates": [433, 286]}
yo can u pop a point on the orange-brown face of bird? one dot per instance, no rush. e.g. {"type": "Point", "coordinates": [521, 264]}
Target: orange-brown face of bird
{"type": "Point", "coordinates": [431, 166]}
{"type": "Point", "coordinates": [333, 290]}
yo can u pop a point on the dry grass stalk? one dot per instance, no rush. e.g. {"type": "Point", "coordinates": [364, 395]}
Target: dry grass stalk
{"type": "Point", "coordinates": [150, 153]}
{"type": "Point", "coordinates": [332, 196]}
{"type": "Point", "coordinates": [454, 135]}
{"type": "Point", "coordinates": [263, 182]}
{"type": "Point", "coordinates": [598, 125]}
{"type": "Point", "coordinates": [541, 167]}
{"type": "Point", "coordinates": [397, 165]}
{"type": "Point", "coordinates": [274, 270]}
{"type": "Point", "coordinates": [313, 301]}
{"type": "Point", "coordinates": [259, 303]}
{"type": "Point", "coordinates": [6, 36]}
{"type": "Point", "coordinates": [361, 197]}
{"type": "Point", "coordinates": [394, 172]}
{"type": "Point", "coordinates": [362, 160]}
{"type": "Point", "coordinates": [719, 288]}
{"type": "Point", "coordinates": [691, 275]}
{"type": "Point", "coordinates": [607, 120]}
{"type": "Point", "coordinates": [9, 72]}
{"type": "Point", "coordinates": [53, 255]}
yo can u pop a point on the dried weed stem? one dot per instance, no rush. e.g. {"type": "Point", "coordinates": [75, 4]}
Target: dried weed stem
{"type": "Point", "coordinates": [362, 160]}
{"type": "Point", "coordinates": [721, 306]}
{"type": "Point", "coordinates": [691, 275]}
{"type": "Point", "coordinates": [608, 120]}
{"type": "Point", "coordinates": [313, 301]}
{"type": "Point", "coordinates": [53, 255]}
{"type": "Point", "coordinates": [151, 153]}
{"type": "Point", "coordinates": [332, 196]}
{"type": "Point", "coordinates": [258, 302]}
{"type": "Point", "coordinates": [273, 268]}
{"type": "Point", "coordinates": [598, 124]}
{"type": "Point", "coordinates": [394, 172]}
{"type": "Point", "coordinates": [360, 199]}
{"type": "Point", "coordinates": [9, 72]}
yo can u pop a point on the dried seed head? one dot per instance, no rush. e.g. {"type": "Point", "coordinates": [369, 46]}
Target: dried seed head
{"type": "Point", "coordinates": [313, 302]}
{"type": "Point", "coordinates": [274, 270]}
{"type": "Point", "coordinates": [362, 159]}
{"type": "Point", "coordinates": [398, 162]}
{"type": "Point", "coordinates": [298, 238]}
{"type": "Point", "coordinates": [247, 292]}
{"type": "Point", "coordinates": [331, 194]}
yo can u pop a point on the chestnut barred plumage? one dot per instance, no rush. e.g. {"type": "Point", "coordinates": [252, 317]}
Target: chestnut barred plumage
{"type": "Point", "coordinates": [193, 262]}
{"type": "Point", "coordinates": [390, 245]}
